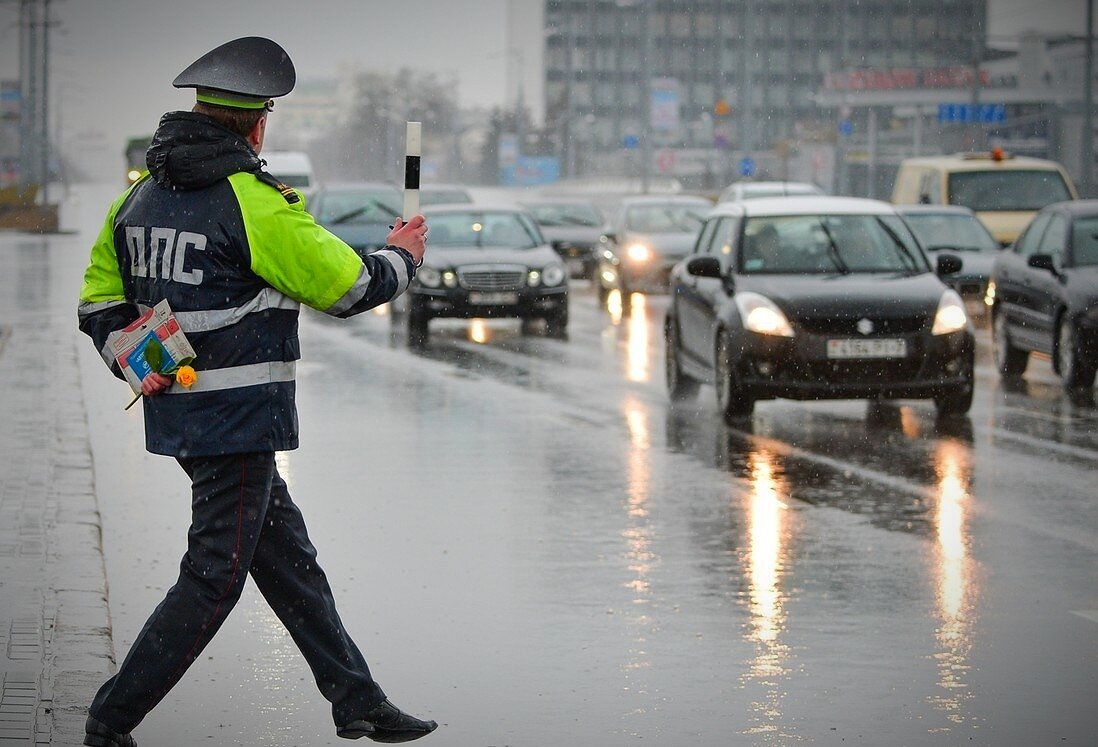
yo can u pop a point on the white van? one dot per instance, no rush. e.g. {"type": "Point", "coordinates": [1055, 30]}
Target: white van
{"type": "Point", "coordinates": [291, 167]}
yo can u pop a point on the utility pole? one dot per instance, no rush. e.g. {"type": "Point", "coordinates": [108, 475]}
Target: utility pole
{"type": "Point", "coordinates": [646, 96]}
{"type": "Point", "coordinates": [1088, 106]}
{"type": "Point", "coordinates": [34, 29]}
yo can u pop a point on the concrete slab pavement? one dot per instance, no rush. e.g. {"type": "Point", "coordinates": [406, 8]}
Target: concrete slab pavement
{"type": "Point", "coordinates": [55, 627]}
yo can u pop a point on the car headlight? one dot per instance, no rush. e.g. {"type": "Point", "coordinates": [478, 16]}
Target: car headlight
{"type": "Point", "coordinates": [951, 316]}
{"type": "Point", "coordinates": [553, 274]}
{"type": "Point", "coordinates": [533, 278]}
{"type": "Point", "coordinates": [989, 293]}
{"type": "Point", "coordinates": [638, 252]}
{"type": "Point", "coordinates": [761, 315]}
{"type": "Point", "coordinates": [429, 276]}
{"type": "Point", "coordinates": [450, 279]}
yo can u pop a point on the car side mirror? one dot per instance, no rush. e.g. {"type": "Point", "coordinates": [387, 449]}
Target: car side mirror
{"type": "Point", "coordinates": [948, 264]}
{"type": "Point", "coordinates": [1043, 262]}
{"type": "Point", "coordinates": [704, 267]}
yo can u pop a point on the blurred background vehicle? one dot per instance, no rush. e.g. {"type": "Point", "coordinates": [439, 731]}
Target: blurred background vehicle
{"type": "Point", "coordinates": [815, 298]}
{"type": "Point", "coordinates": [952, 228]}
{"type": "Point", "coordinates": [487, 261]}
{"type": "Point", "coordinates": [753, 190]}
{"type": "Point", "coordinates": [1004, 191]}
{"type": "Point", "coordinates": [293, 168]}
{"type": "Point", "coordinates": [444, 194]}
{"type": "Point", "coordinates": [135, 157]}
{"type": "Point", "coordinates": [645, 237]}
{"type": "Point", "coordinates": [574, 228]}
{"type": "Point", "coordinates": [1043, 295]}
{"type": "Point", "coordinates": [360, 213]}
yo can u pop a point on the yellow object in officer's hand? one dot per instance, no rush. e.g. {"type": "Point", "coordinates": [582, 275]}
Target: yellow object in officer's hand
{"type": "Point", "coordinates": [186, 377]}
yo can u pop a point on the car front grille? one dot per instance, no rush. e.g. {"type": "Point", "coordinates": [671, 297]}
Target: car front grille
{"type": "Point", "coordinates": [849, 327]}
{"type": "Point", "coordinates": [492, 278]}
{"type": "Point", "coordinates": [858, 372]}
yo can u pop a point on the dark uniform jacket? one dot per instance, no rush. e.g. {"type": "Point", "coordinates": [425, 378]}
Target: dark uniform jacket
{"type": "Point", "coordinates": [234, 257]}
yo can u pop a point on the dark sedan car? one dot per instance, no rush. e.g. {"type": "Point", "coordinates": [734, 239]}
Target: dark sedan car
{"type": "Point", "coordinates": [1044, 294]}
{"type": "Point", "coordinates": [815, 298]}
{"type": "Point", "coordinates": [574, 227]}
{"type": "Point", "coordinates": [359, 213]}
{"type": "Point", "coordinates": [487, 261]}
{"type": "Point", "coordinates": [956, 229]}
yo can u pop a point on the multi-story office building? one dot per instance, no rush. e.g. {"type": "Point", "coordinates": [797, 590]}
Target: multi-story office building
{"type": "Point", "coordinates": [727, 75]}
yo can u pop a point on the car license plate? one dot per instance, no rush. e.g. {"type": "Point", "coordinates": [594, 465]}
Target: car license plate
{"type": "Point", "coordinates": [852, 348]}
{"type": "Point", "coordinates": [493, 299]}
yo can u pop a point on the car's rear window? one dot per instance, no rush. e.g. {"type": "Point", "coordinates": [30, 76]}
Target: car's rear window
{"type": "Point", "coordinates": [1016, 189]}
{"type": "Point", "coordinates": [667, 218]}
{"type": "Point", "coordinates": [358, 206]}
{"type": "Point", "coordinates": [566, 215]}
{"type": "Point", "coordinates": [829, 244]}
{"type": "Point", "coordinates": [962, 233]}
{"type": "Point", "coordinates": [1084, 242]}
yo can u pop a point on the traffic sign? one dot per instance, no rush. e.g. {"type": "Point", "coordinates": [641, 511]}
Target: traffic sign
{"type": "Point", "coordinates": [747, 166]}
{"type": "Point", "coordinates": [972, 113]}
{"type": "Point", "coordinates": [846, 128]}
{"type": "Point", "coordinates": [630, 141]}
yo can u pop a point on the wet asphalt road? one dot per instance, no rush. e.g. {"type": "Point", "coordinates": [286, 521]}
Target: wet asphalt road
{"type": "Point", "coordinates": [532, 546]}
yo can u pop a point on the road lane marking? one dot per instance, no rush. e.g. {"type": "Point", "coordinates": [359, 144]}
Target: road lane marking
{"type": "Point", "coordinates": [1091, 615]}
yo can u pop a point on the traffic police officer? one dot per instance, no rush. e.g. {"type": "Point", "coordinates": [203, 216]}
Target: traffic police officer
{"type": "Point", "coordinates": [235, 254]}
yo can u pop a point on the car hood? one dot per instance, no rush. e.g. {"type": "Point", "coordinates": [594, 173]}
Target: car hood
{"type": "Point", "coordinates": [849, 296]}
{"type": "Point", "coordinates": [459, 256]}
{"type": "Point", "coordinates": [572, 234]}
{"type": "Point", "coordinates": [664, 244]}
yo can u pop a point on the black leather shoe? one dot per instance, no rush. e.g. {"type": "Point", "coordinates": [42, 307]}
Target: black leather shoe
{"type": "Point", "coordinates": [98, 734]}
{"type": "Point", "coordinates": [387, 723]}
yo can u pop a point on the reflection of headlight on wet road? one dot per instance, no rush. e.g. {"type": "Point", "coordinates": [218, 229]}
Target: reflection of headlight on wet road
{"type": "Point", "coordinates": [638, 253]}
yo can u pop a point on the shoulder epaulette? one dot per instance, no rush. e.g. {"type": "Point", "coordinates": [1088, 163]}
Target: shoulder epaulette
{"type": "Point", "coordinates": [287, 191]}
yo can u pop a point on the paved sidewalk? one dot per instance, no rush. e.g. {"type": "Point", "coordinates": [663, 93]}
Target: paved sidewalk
{"type": "Point", "coordinates": [55, 629]}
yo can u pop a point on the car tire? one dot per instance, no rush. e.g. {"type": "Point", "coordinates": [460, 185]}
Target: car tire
{"type": "Point", "coordinates": [1010, 361]}
{"type": "Point", "coordinates": [556, 324]}
{"type": "Point", "coordinates": [734, 403]}
{"type": "Point", "coordinates": [680, 385]}
{"type": "Point", "coordinates": [1075, 372]}
{"type": "Point", "coordinates": [418, 319]}
{"type": "Point", "coordinates": [957, 400]}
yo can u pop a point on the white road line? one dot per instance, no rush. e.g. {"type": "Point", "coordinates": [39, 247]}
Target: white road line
{"type": "Point", "coordinates": [1091, 615]}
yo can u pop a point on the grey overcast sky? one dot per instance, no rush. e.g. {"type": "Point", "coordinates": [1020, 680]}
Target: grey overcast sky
{"type": "Point", "coordinates": [113, 60]}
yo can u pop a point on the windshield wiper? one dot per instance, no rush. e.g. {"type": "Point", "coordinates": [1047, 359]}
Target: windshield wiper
{"type": "Point", "coordinates": [833, 249]}
{"type": "Point", "coordinates": [913, 264]}
{"type": "Point", "coordinates": [360, 210]}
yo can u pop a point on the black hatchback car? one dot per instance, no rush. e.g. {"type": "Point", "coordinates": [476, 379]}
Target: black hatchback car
{"type": "Point", "coordinates": [815, 298]}
{"type": "Point", "coordinates": [1043, 294]}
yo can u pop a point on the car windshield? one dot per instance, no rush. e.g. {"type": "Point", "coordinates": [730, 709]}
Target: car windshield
{"type": "Point", "coordinates": [829, 244]}
{"type": "Point", "coordinates": [1017, 189]}
{"type": "Point", "coordinates": [482, 229]}
{"type": "Point", "coordinates": [443, 196]}
{"type": "Point", "coordinates": [666, 218]}
{"type": "Point", "coordinates": [962, 233]}
{"type": "Point", "coordinates": [1084, 242]}
{"type": "Point", "coordinates": [566, 215]}
{"type": "Point", "coordinates": [358, 206]}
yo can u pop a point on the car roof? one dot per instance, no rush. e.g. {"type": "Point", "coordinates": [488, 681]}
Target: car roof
{"type": "Point", "coordinates": [807, 205]}
{"type": "Point", "coordinates": [982, 162]}
{"type": "Point", "coordinates": [356, 186]}
{"type": "Point", "coordinates": [920, 209]}
{"type": "Point", "coordinates": [473, 207]}
{"type": "Point", "coordinates": [1077, 208]}
{"type": "Point", "coordinates": [443, 187]}
{"type": "Point", "coordinates": [633, 200]}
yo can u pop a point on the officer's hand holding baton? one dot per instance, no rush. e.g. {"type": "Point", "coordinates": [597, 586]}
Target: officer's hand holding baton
{"type": "Point", "coordinates": [411, 236]}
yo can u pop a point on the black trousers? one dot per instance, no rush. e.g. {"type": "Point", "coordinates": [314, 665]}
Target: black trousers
{"type": "Point", "coordinates": [243, 521]}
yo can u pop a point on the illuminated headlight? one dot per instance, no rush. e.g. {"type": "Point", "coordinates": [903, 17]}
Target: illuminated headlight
{"type": "Point", "coordinates": [638, 253]}
{"type": "Point", "coordinates": [989, 294]}
{"type": "Point", "coordinates": [429, 277]}
{"type": "Point", "coordinates": [553, 274]}
{"type": "Point", "coordinates": [533, 278]}
{"type": "Point", "coordinates": [951, 316]}
{"type": "Point", "coordinates": [450, 279]}
{"type": "Point", "coordinates": [761, 315]}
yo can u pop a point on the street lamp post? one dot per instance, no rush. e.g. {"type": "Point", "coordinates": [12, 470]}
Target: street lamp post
{"type": "Point", "coordinates": [1088, 105]}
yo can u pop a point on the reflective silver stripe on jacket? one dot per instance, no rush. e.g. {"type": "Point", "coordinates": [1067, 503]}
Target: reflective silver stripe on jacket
{"type": "Point", "coordinates": [217, 379]}
{"type": "Point", "coordinates": [353, 295]}
{"type": "Point", "coordinates": [87, 308]}
{"type": "Point", "coordinates": [401, 267]}
{"type": "Point", "coordinates": [211, 319]}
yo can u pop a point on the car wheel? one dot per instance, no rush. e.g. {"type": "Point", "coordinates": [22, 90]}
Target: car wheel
{"type": "Point", "coordinates": [957, 400]}
{"type": "Point", "coordinates": [735, 404]}
{"type": "Point", "coordinates": [1076, 372]}
{"type": "Point", "coordinates": [418, 317]}
{"type": "Point", "coordinates": [556, 324]}
{"type": "Point", "coordinates": [680, 385]}
{"type": "Point", "coordinates": [1010, 361]}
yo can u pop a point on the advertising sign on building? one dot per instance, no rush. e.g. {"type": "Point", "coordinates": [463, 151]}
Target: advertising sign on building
{"type": "Point", "coordinates": [531, 171]}
{"type": "Point", "coordinates": [665, 105]}
{"type": "Point", "coordinates": [10, 96]}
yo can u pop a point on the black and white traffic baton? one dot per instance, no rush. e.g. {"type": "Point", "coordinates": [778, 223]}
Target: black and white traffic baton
{"type": "Point", "coordinates": [411, 170]}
